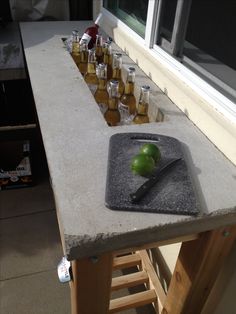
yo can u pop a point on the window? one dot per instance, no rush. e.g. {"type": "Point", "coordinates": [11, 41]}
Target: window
{"type": "Point", "coordinates": [132, 13]}
{"type": "Point", "coordinates": [197, 34]}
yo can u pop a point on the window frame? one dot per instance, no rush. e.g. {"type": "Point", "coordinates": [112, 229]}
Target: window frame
{"type": "Point", "coordinates": [215, 97]}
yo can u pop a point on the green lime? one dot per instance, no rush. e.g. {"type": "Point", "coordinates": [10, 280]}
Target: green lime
{"type": "Point", "coordinates": [151, 150]}
{"type": "Point", "coordinates": [142, 164]}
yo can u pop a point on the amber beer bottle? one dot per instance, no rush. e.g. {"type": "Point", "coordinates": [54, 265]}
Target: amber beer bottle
{"type": "Point", "coordinates": [83, 56]}
{"type": "Point", "coordinates": [116, 72]}
{"type": "Point", "coordinates": [112, 115]}
{"type": "Point", "coordinates": [101, 95]}
{"type": "Point", "coordinates": [91, 32]}
{"type": "Point", "coordinates": [107, 58]}
{"type": "Point", "coordinates": [75, 52]}
{"type": "Point", "coordinates": [98, 47]}
{"type": "Point", "coordinates": [128, 99]}
{"type": "Point", "coordinates": [90, 76]}
{"type": "Point", "coordinates": [142, 112]}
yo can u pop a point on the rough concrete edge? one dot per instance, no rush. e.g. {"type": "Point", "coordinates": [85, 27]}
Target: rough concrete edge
{"type": "Point", "coordinates": [84, 246]}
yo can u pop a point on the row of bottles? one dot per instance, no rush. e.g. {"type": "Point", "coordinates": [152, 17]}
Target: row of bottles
{"type": "Point", "coordinates": [102, 72]}
{"type": "Point", "coordinates": [80, 53]}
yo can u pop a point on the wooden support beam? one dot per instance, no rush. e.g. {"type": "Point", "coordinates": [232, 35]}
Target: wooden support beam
{"type": "Point", "coordinates": [91, 285]}
{"type": "Point", "coordinates": [185, 238]}
{"type": "Point", "coordinates": [196, 270]}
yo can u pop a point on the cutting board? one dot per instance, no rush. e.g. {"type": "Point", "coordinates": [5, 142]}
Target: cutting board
{"type": "Point", "coordinates": [172, 194]}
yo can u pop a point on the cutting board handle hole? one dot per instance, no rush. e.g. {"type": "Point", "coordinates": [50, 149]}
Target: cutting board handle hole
{"type": "Point", "coordinates": [150, 140]}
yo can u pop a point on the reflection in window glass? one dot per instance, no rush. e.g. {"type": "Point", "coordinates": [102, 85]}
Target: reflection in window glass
{"type": "Point", "coordinates": [168, 18]}
{"type": "Point", "coordinates": [214, 31]}
{"type": "Point", "coordinates": [132, 13]}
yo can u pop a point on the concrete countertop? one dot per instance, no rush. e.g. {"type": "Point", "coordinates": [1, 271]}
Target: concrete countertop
{"type": "Point", "coordinates": [76, 139]}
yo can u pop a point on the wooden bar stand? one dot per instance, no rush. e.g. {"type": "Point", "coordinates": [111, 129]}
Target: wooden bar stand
{"type": "Point", "coordinates": [200, 258]}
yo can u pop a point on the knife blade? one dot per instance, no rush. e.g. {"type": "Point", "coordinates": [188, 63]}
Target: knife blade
{"type": "Point", "coordinates": [146, 186]}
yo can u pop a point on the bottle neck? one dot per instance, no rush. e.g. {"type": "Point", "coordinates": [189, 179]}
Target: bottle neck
{"type": "Point", "coordinates": [129, 88]}
{"type": "Point", "coordinates": [143, 108]}
{"type": "Point", "coordinates": [102, 84]}
{"type": "Point", "coordinates": [91, 68]}
{"type": "Point", "coordinates": [98, 20]}
{"type": "Point", "coordinates": [116, 73]}
{"type": "Point", "coordinates": [113, 103]}
{"type": "Point", "coordinates": [84, 56]}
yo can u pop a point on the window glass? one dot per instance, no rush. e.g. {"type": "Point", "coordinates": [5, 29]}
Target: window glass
{"type": "Point", "coordinates": [132, 13]}
{"type": "Point", "coordinates": [168, 18]}
{"type": "Point", "coordinates": [214, 31]}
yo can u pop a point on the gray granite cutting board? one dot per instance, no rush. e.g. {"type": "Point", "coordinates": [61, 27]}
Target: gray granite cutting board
{"type": "Point", "coordinates": [173, 193]}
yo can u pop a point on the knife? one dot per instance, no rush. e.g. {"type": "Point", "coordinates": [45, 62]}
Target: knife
{"type": "Point", "coordinates": [144, 188]}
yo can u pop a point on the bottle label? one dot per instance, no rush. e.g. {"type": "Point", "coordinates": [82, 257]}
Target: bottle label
{"type": "Point", "coordinates": [85, 37]}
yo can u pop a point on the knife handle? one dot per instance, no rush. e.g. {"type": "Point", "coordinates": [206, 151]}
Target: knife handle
{"type": "Point", "coordinates": [138, 195]}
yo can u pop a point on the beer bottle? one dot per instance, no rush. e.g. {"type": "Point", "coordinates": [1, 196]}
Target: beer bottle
{"type": "Point", "coordinates": [90, 76]}
{"type": "Point", "coordinates": [107, 58]}
{"type": "Point", "coordinates": [116, 72]}
{"type": "Point", "coordinates": [142, 112]}
{"type": "Point", "coordinates": [112, 115]}
{"type": "Point", "coordinates": [75, 52]}
{"type": "Point", "coordinates": [101, 95]}
{"type": "Point", "coordinates": [128, 99]}
{"type": "Point", "coordinates": [98, 47]}
{"type": "Point", "coordinates": [83, 56]}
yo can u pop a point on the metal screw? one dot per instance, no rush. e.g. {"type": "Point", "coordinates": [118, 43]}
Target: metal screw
{"type": "Point", "coordinates": [94, 259]}
{"type": "Point", "coordinates": [226, 233]}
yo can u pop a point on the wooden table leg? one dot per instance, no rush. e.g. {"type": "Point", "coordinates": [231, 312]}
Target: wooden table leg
{"type": "Point", "coordinates": [196, 270]}
{"type": "Point", "coordinates": [91, 285]}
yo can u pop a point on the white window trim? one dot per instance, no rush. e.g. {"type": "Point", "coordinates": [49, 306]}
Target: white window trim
{"type": "Point", "coordinates": [216, 99]}
{"type": "Point", "coordinates": [219, 102]}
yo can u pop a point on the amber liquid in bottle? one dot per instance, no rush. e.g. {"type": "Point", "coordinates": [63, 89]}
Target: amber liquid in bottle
{"type": "Point", "coordinates": [116, 72]}
{"type": "Point", "coordinates": [128, 99]}
{"type": "Point", "coordinates": [75, 53]}
{"type": "Point", "coordinates": [142, 112]}
{"type": "Point", "coordinates": [107, 58]}
{"type": "Point", "coordinates": [112, 115]}
{"type": "Point", "coordinates": [101, 95]}
{"type": "Point", "coordinates": [83, 57]}
{"type": "Point", "coordinates": [99, 51]}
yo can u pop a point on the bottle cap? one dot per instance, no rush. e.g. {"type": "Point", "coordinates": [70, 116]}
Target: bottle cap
{"type": "Point", "coordinates": [75, 32]}
{"type": "Point", "coordinates": [131, 69]}
{"type": "Point", "coordinates": [118, 55]}
{"type": "Point", "coordinates": [75, 35]}
{"type": "Point", "coordinates": [114, 83]}
{"type": "Point", "coordinates": [145, 88]}
{"type": "Point", "coordinates": [102, 66]}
